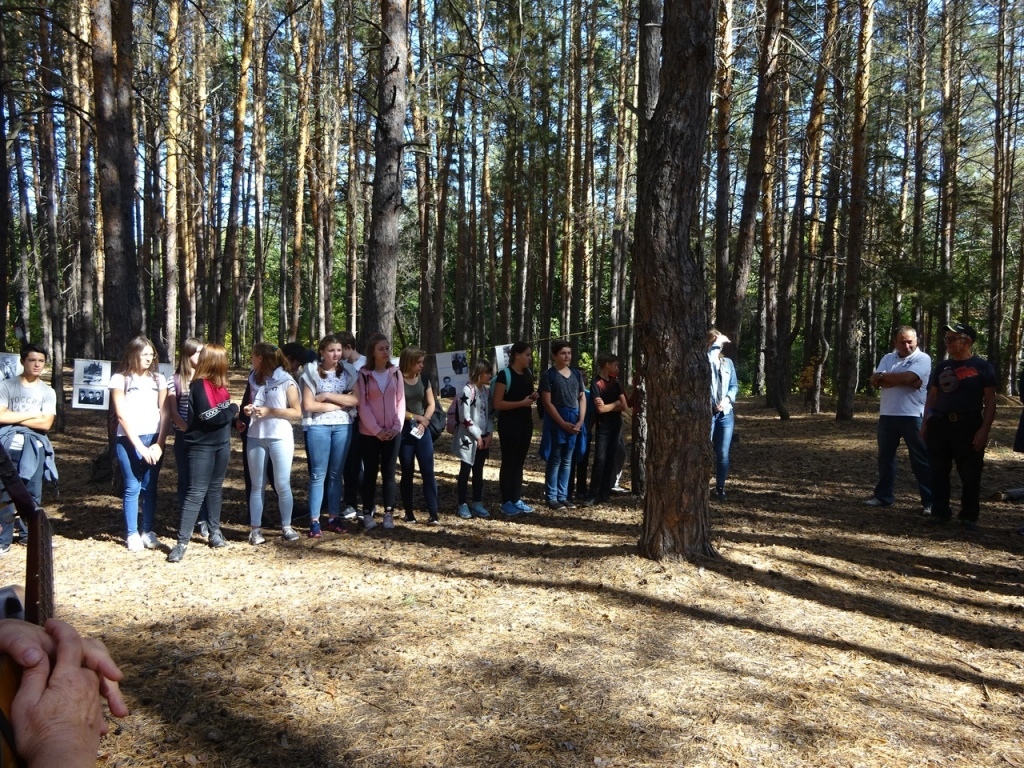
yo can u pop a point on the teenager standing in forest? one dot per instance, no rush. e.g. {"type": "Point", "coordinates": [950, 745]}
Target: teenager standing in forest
{"type": "Point", "coordinates": [208, 437]}
{"type": "Point", "coordinates": [274, 406]}
{"type": "Point", "coordinates": [176, 413]}
{"type": "Point", "coordinates": [381, 394]}
{"type": "Point", "coordinates": [328, 405]}
{"type": "Point", "coordinates": [353, 472]}
{"type": "Point", "coordinates": [609, 400]}
{"type": "Point", "coordinates": [724, 390]}
{"type": "Point", "coordinates": [417, 444]}
{"type": "Point", "coordinates": [28, 406]}
{"type": "Point", "coordinates": [514, 397]}
{"type": "Point", "coordinates": [959, 412]}
{"type": "Point", "coordinates": [472, 440]}
{"type": "Point", "coordinates": [563, 397]}
{"type": "Point", "coordinates": [137, 393]}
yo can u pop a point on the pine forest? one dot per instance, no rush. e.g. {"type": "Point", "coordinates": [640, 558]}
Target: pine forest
{"type": "Point", "coordinates": [460, 175]}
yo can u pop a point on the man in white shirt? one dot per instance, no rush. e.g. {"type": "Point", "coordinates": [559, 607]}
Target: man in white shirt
{"type": "Point", "coordinates": [902, 375]}
{"type": "Point", "coordinates": [29, 402]}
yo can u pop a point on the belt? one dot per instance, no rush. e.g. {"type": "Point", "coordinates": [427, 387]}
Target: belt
{"type": "Point", "coordinates": [957, 415]}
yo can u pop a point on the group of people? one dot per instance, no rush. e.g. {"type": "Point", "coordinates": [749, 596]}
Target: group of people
{"type": "Point", "coordinates": [363, 418]}
{"type": "Point", "coordinates": [943, 415]}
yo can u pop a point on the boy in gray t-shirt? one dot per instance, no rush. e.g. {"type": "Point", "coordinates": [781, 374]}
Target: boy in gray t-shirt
{"type": "Point", "coordinates": [25, 401]}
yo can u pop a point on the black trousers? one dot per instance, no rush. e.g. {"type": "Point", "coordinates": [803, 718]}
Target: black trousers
{"type": "Point", "coordinates": [949, 443]}
{"type": "Point", "coordinates": [516, 437]}
{"type": "Point", "coordinates": [606, 441]}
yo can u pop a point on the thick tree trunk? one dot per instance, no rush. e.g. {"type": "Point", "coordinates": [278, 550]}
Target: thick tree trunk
{"type": "Point", "coordinates": [671, 291]}
{"type": "Point", "coordinates": [389, 147]}
{"type": "Point", "coordinates": [111, 37]}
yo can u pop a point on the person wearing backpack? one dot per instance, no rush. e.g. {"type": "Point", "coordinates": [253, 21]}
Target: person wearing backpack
{"type": "Point", "coordinates": [563, 398]}
{"type": "Point", "coordinates": [472, 440]}
{"type": "Point", "coordinates": [513, 396]}
{"type": "Point", "coordinates": [137, 393]}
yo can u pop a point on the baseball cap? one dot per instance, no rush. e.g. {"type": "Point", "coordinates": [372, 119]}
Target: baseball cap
{"type": "Point", "coordinates": [964, 329]}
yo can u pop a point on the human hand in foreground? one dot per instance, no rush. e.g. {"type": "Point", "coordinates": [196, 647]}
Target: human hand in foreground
{"type": "Point", "coordinates": [28, 644]}
{"type": "Point", "coordinates": [57, 713]}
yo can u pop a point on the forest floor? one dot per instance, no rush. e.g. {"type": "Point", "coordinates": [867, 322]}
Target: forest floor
{"type": "Point", "coordinates": [827, 633]}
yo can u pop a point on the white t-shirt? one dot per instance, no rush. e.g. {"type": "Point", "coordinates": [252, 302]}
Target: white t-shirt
{"type": "Point", "coordinates": [19, 397]}
{"type": "Point", "coordinates": [905, 401]}
{"type": "Point", "coordinates": [273, 393]}
{"type": "Point", "coordinates": [140, 405]}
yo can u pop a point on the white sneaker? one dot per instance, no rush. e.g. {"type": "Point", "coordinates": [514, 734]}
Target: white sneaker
{"type": "Point", "coordinates": [150, 541]}
{"type": "Point", "coordinates": [256, 537]}
{"type": "Point", "coordinates": [389, 519]}
{"type": "Point", "coordinates": [368, 521]}
{"type": "Point", "coordinates": [350, 513]}
{"type": "Point", "coordinates": [289, 534]}
{"type": "Point", "coordinates": [134, 543]}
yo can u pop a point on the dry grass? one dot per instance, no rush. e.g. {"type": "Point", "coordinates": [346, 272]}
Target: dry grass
{"type": "Point", "coordinates": [827, 634]}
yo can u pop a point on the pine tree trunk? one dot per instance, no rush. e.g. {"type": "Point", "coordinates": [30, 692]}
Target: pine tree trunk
{"type": "Point", "coordinates": [671, 292]}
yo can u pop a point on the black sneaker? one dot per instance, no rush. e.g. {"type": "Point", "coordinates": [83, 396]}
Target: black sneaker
{"type": "Point", "coordinates": [217, 540]}
{"type": "Point", "coordinates": [177, 554]}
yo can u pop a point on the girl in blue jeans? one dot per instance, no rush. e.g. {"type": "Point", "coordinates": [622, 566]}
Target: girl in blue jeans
{"type": "Point", "coordinates": [328, 408]}
{"type": "Point", "coordinates": [137, 393]}
{"type": "Point", "coordinates": [417, 443]}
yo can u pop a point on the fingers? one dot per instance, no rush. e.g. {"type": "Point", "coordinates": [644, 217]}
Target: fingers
{"type": "Point", "coordinates": [111, 691]}
{"type": "Point", "coordinates": [25, 643]}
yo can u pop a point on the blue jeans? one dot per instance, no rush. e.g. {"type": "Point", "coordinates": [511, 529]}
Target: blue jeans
{"type": "Point", "coordinates": [422, 450]}
{"type": "Point", "coordinates": [140, 479]}
{"type": "Point", "coordinates": [208, 465]}
{"type": "Point", "coordinates": [326, 446]}
{"type": "Point", "coordinates": [558, 467]}
{"type": "Point", "coordinates": [280, 453]}
{"type": "Point", "coordinates": [181, 461]}
{"type": "Point", "coordinates": [722, 425]}
{"type": "Point", "coordinates": [890, 430]}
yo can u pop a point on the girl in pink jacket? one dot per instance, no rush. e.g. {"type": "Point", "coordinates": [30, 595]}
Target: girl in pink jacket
{"type": "Point", "coordinates": [381, 394]}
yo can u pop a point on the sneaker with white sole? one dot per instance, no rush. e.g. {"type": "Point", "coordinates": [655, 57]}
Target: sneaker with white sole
{"type": "Point", "coordinates": [463, 511]}
{"type": "Point", "coordinates": [874, 501]}
{"type": "Point", "coordinates": [289, 534]}
{"type": "Point", "coordinates": [389, 518]}
{"type": "Point", "coordinates": [150, 541]}
{"type": "Point", "coordinates": [256, 536]}
{"type": "Point", "coordinates": [350, 513]}
{"type": "Point", "coordinates": [134, 543]}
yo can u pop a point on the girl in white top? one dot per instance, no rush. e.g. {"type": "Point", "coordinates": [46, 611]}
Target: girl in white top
{"type": "Point", "coordinates": [274, 406]}
{"type": "Point", "coordinates": [328, 410]}
{"type": "Point", "coordinates": [137, 393]}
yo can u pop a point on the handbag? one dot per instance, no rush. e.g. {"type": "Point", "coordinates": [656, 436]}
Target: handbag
{"type": "Point", "coordinates": [437, 420]}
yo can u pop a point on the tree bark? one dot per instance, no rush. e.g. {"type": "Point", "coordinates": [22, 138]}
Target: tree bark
{"type": "Point", "coordinates": [671, 291]}
{"type": "Point", "coordinates": [111, 37]}
{"type": "Point", "coordinates": [389, 147]}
